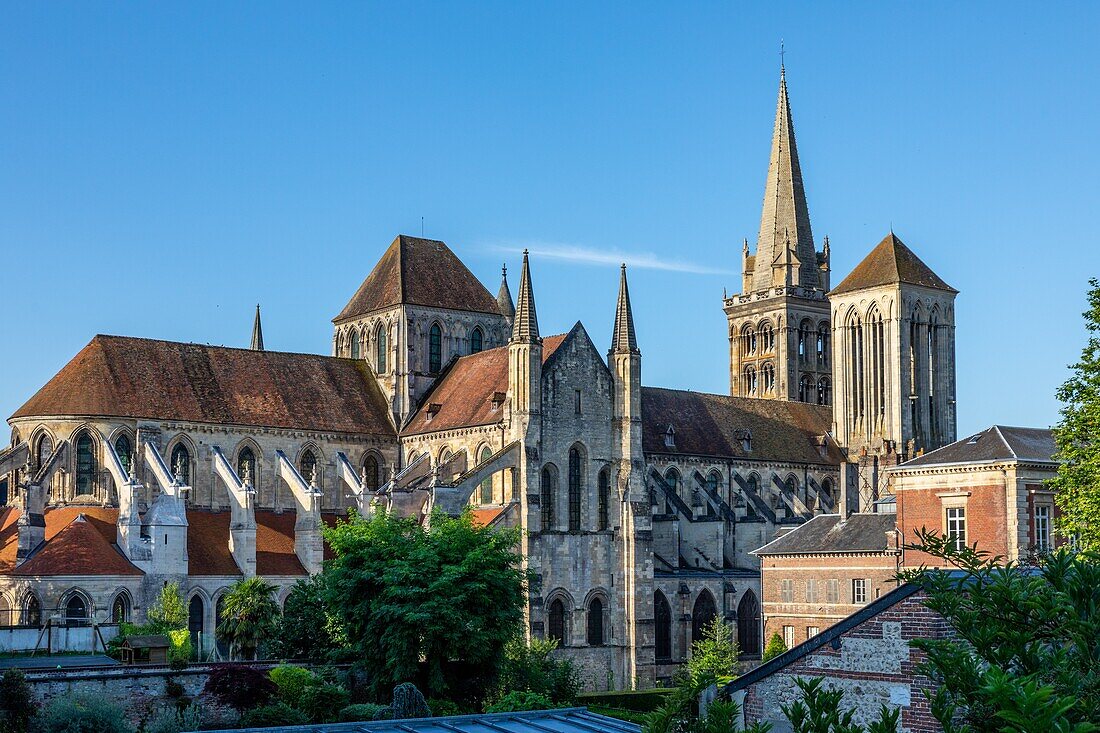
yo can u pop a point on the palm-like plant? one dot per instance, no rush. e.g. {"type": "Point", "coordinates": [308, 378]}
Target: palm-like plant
{"type": "Point", "coordinates": [248, 615]}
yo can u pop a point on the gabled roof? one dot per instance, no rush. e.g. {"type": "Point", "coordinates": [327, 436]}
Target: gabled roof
{"type": "Point", "coordinates": [891, 262]}
{"type": "Point", "coordinates": [465, 390]}
{"type": "Point", "coordinates": [415, 271]}
{"type": "Point", "coordinates": [79, 541]}
{"type": "Point", "coordinates": [713, 425]}
{"type": "Point", "coordinates": [826, 533]}
{"type": "Point", "coordinates": [116, 376]}
{"type": "Point", "coordinates": [997, 443]}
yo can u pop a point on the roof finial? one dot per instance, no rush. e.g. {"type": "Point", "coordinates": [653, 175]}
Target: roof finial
{"type": "Point", "coordinates": [782, 65]}
{"type": "Point", "coordinates": [257, 332]}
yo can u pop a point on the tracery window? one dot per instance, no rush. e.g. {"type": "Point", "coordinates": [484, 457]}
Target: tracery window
{"type": "Point", "coordinates": [703, 613]}
{"type": "Point", "coordinates": [476, 339]}
{"type": "Point", "coordinates": [246, 466]}
{"type": "Point", "coordinates": [487, 484]}
{"type": "Point", "coordinates": [85, 464]}
{"type": "Point", "coordinates": [76, 610]}
{"type": "Point", "coordinates": [381, 349]}
{"type": "Point", "coordinates": [43, 451]}
{"type": "Point", "coordinates": [574, 490]}
{"type": "Point", "coordinates": [435, 349]}
{"type": "Point", "coordinates": [370, 473]}
{"type": "Point", "coordinates": [120, 609]}
{"type": "Point", "coordinates": [181, 463]}
{"type": "Point", "coordinates": [125, 452]}
{"type": "Point", "coordinates": [547, 491]}
{"type": "Point", "coordinates": [355, 344]}
{"type": "Point", "coordinates": [307, 466]}
{"type": "Point", "coordinates": [32, 611]}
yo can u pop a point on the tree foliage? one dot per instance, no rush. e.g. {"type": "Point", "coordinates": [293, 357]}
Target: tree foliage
{"type": "Point", "coordinates": [17, 702]}
{"type": "Point", "coordinates": [819, 711]}
{"type": "Point", "coordinates": [531, 667]}
{"type": "Point", "coordinates": [239, 686]}
{"type": "Point", "coordinates": [168, 613]}
{"type": "Point", "coordinates": [248, 616]}
{"type": "Point", "coordinates": [713, 658]}
{"type": "Point", "coordinates": [81, 713]}
{"type": "Point", "coordinates": [1027, 652]}
{"type": "Point", "coordinates": [774, 647]}
{"type": "Point", "coordinates": [448, 596]}
{"type": "Point", "coordinates": [1077, 485]}
{"type": "Point", "coordinates": [306, 629]}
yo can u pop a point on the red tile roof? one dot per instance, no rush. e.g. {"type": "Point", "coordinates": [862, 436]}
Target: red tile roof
{"type": "Point", "coordinates": [71, 547]}
{"type": "Point", "coordinates": [163, 380]}
{"type": "Point", "coordinates": [888, 263]}
{"type": "Point", "coordinates": [419, 272]}
{"type": "Point", "coordinates": [485, 517]}
{"type": "Point", "coordinates": [208, 543]}
{"type": "Point", "coordinates": [464, 392]}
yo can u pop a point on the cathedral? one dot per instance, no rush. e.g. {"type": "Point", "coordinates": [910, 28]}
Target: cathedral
{"type": "Point", "coordinates": [146, 461]}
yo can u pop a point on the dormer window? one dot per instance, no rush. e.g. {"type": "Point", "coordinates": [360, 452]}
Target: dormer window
{"type": "Point", "coordinates": [497, 400]}
{"type": "Point", "coordinates": [744, 437]}
{"type": "Point", "coordinates": [433, 409]}
{"type": "Point", "coordinates": [670, 437]}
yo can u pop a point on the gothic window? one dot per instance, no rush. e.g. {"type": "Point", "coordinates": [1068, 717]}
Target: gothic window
{"type": "Point", "coordinates": [824, 392]}
{"type": "Point", "coordinates": [546, 498]}
{"type": "Point", "coordinates": [196, 619]}
{"type": "Point", "coordinates": [855, 358]}
{"type": "Point", "coordinates": [476, 339]}
{"type": "Point", "coordinates": [933, 350]}
{"type": "Point", "coordinates": [805, 388]}
{"type": "Point", "coordinates": [713, 481]}
{"type": "Point", "coordinates": [748, 340]}
{"type": "Point", "coordinates": [767, 337]}
{"type": "Point", "coordinates": [748, 624]}
{"type": "Point", "coordinates": [370, 473]}
{"type": "Point", "coordinates": [487, 484]}
{"type": "Point", "coordinates": [354, 344]}
{"type": "Point", "coordinates": [877, 362]}
{"type": "Point", "coordinates": [662, 617]}
{"type": "Point", "coordinates": [220, 643]}
{"type": "Point", "coordinates": [604, 500]}
{"type": "Point", "coordinates": [672, 479]}
{"type": "Point", "coordinates": [120, 609]}
{"type": "Point", "coordinates": [380, 347]}
{"type": "Point", "coordinates": [32, 611]}
{"type": "Point", "coordinates": [43, 451]}
{"type": "Point", "coordinates": [3, 491]}
{"type": "Point", "coordinates": [805, 333]}
{"type": "Point", "coordinates": [748, 380]}
{"type": "Point", "coordinates": [246, 466]}
{"type": "Point", "coordinates": [85, 464]}
{"type": "Point", "coordinates": [827, 488]}
{"type": "Point", "coordinates": [307, 466]}
{"type": "Point", "coordinates": [823, 344]}
{"type": "Point", "coordinates": [555, 622]}
{"type": "Point", "coordinates": [76, 610]}
{"type": "Point", "coordinates": [704, 612]}
{"type": "Point", "coordinates": [181, 463]}
{"type": "Point", "coordinates": [5, 612]}
{"type": "Point", "coordinates": [792, 485]}
{"type": "Point", "coordinates": [575, 489]}
{"type": "Point", "coordinates": [125, 452]}
{"type": "Point", "coordinates": [595, 622]}
{"type": "Point", "coordinates": [754, 483]}
{"type": "Point", "coordinates": [435, 349]}
{"type": "Point", "coordinates": [767, 373]}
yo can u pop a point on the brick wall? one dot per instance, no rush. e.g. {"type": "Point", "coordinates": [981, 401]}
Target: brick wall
{"type": "Point", "coordinates": [986, 517]}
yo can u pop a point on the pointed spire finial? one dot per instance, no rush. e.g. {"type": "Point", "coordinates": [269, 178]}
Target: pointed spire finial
{"type": "Point", "coordinates": [782, 65]}
{"type": "Point", "coordinates": [525, 325]}
{"type": "Point", "coordinates": [504, 296]}
{"type": "Point", "coordinates": [257, 332]}
{"type": "Point", "coordinates": [623, 339]}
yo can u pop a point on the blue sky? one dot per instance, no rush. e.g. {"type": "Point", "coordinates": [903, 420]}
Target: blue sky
{"type": "Point", "coordinates": [164, 167]}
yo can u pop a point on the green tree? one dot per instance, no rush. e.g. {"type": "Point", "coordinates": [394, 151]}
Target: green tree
{"type": "Point", "coordinates": [168, 612]}
{"type": "Point", "coordinates": [530, 667]}
{"type": "Point", "coordinates": [1026, 651]}
{"type": "Point", "coordinates": [818, 711]}
{"type": "Point", "coordinates": [1077, 485]}
{"type": "Point", "coordinates": [17, 703]}
{"type": "Point", "coordinates": [774, 648]}
{"type": "Point", "coordinates": [306, 629]}
{"type": "Point", "coordinates": [714, 657]}
{"type": "Point", "coordinates": [448, 596]}
{"type": "Point", "coordinates": [248, 616]}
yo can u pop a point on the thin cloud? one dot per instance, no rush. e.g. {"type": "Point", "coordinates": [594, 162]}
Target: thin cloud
{"type": "Point", "coordinates": [609, 257]}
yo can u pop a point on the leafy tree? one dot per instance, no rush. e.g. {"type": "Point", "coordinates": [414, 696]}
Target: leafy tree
{"type": "Point", "coordinates": [714, 657]}
{"type": "Point", "coordinates": [774, 648]}
{"type": "Point", "coordinates": [17, 703]}
{"type": "Point", "coordinates": [437, 602]}
{"type": "Point", "coordinates": [292, 682]}
{"type": "Point", "coordinates": [529, 667]}
{"type": "Point", "coordinates": [818, 711]}
{"type": "Point", "coordinates": [239, 686]}
{"type": "Point", "coordinates": [1026, 655]}
{"type": "Point", "coordinates": [168, 612]}
{"type": "Point", "coordinates": [1077, 485]}
{"type": "Point", "coordinates": [248, 616]}
{"type": "Point", "coordinates": [306, 629]}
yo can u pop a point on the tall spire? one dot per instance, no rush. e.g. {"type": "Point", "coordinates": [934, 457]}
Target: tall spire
{"type": "Point", "coordinates": [525, 327]}
{"type": "Point", "coordinates": [504, 297]}
{"type": "Point", "coordinates": [785, 210]}
{"type": "Point", "coordinates": [623, 340]}
{"type": "Point", "coordinates": [257, 332]}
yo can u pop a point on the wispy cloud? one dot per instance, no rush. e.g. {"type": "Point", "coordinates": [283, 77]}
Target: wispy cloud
{"type": "Point", "coordinates": [608, 256]}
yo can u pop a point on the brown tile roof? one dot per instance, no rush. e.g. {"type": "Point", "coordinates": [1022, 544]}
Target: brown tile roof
{"type": "Point", "coordinates": [275, 544]}
{"type": "Point", "coordinates": [208, 543]}
{"type": "Point", "coordinates": [485, 517]}
{"type": "Point", "coordinates": [464, 392]}
{"type": "Point", "coordinates": [709, 425]}
{"type": "Point", "coordinates": [418, 271]}
{"type": "Point", "coordinates": [891, 262]}
{"type": "Point", "coordinates": [141, 378]}
{"type": "Point", "coordinates": [71, 547]}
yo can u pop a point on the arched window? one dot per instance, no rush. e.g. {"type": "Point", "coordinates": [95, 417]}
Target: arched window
{"type": "Point", "coordinates": [748, 624]}
{"type": "Point", "coordinates": [487, 484]}
{"type": "Point", "coordinates": [181, 463]}
{"type": "Point", "coordinates": [748, 340]}
{"type": "Point", "coordinates": [603, 501]}
{"type": "Point", "coordinates": [702, 614]}
{"type": "Point", "coordinates": [767, 373]}
{"type": "Point", "coordinates": [662, 617]}
{"type": "Point", "coordinates": [76, 610]}
{"type": "Point", "coordinates": [555, 622]}
{"type": "Point", "coordinates": [307, 466]}
{"type": "Point", "coordinates": [547, 491]}
{"type": "Point", "coordinates": [748, 380]}
{"type": "Point", "coordinates": [246, 466]}
{"type": "Point", "coordinates": [595, 622]}
{"type": "Point", "coordinates": [574, 490]}
{"type": "Point", "coordinates": [381, 350]}
{"type": "Point", "coordinates": [196, 619]}
{"type": "Point", "coordinates": [32, 611]}
{"type": "Point", "coordinates": [792, 485]}
{"type": "Point", "coordinates": [43, 450]}
{"type": "Point", "coordinates": [476, 341]}
{"type": "Point", "coordinates": [370, 473]}
{"type": "Point", "coordinates": [713, 482]}
{"type": "Point", "coordinates": [435, 349]}
{"type": "Point", "coordinates": [85, 464]}
{"type": "Point", "coordinates": [355, 344]}
{"type": "Point", "coordinates": [823, 344]}
{"type": "Point", "coordinates": [806, 389]}
{"type": "Point", "coordinates": [220, 644]}
{"type": "Point", "coordinates": [754, 483]}
{"type": "Point", "coordinates": [855, 359]}
{"type": "Point", "coordinates": [805, 333]}
{"type": "Point", "coordinates": [125, 452]}
{"type": "Point", "coordinates": [120, 609]}
{"type": "Point", "coordinates": [827, 488]}
{"type": "Point", "coordinates": [767, 337]}
{"type": "Point", "coordinates": [824, 391]}
{"type": "Point", "coordinates": [5, 612]}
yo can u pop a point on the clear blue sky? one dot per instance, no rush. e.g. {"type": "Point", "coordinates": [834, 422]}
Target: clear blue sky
{"type": "Point", "coordinates": [163, 167]}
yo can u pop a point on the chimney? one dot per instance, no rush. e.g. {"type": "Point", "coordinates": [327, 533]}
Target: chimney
{"type": "Point", "coordinates": [849, 489]}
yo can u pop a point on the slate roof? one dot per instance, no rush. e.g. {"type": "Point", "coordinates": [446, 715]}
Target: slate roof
{"type": "Point", "coordinates": [888, 263]}
{"type": "Point", "coordinates": [464, 391]}
{"type": "Point", "coordinates": [117, 376]}
{"type": "Point", "coordinates": [709, 425]}
{"type": "Point", "coordinates": [997, 443]}
{"type": "Point", "coordinates": [826, 533]}
{"type": "Point", "coordinates": [415, 271]}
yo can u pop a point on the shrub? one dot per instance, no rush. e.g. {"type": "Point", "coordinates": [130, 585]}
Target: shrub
{"type": "Point", "coordinates": [239, 686]}
{"type": "Point", "coordinates": [81, 714]}
{"type": "Point", "coordinates": [267, 716]}
{"type": "Point", "coordinates": [775, 647]}
{"type": "Point", "coordinates": [173, 720]}
{"type": "Point", "coordinates": [444, 708]}
{"type": "Point", "coordinates": [408, 702]}
{"type": "Point", "coordinates": [531, 668]}
{"type": "Point", "coordinates": [179, 649]}
{"type": "Point", "coordinates": [167, 612]}
{"type": "Point", "coordinates": [362, 712]}
{"type": "Point", "coordinates": [17, 704]}
{"type": "Point", "coordinates": [322, 702]}
{"type": "Point", "coordinates": [642, 701]}
{"type": "Point", "coordinates": [517, 701]}
{"type": "Point", "coordinates": [291, 682]}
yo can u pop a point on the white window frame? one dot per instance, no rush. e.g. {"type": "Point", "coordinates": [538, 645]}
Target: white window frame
{"type": "Point", "coordinates": [859, 590]}
{"type": "Point", "coordinates": [954, 523]}
{"type": "Point", "coordinates": [1043, 532]}
{"type": "Point", "coordinates": [788, 636]}
{"type": "Point", "coordinates": [812, 631]}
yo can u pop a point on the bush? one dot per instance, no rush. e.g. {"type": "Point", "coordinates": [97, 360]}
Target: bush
{"type": "Point", "coordinates": [81, 714]}
{"type": "Point", "coordinates": [515, 702]}
{"type": "Point", "coordinates": [362, 712]}
{"type": "Point", "coordinates": [172, 720]}
{"type": "Point", "coordinates": [291, 682]}
{"type": "Point", "coordinates": [267, 716]}
{"type": "Point", "coordinates": [322, 702]}
{"type": "Point", "coordinates": [17, 704]}
{"type": "Point", "coordinates": [444, 708]}
{"type": "Point", "coordinates": [775, 647]}
{"type": "Point", "coordinates": [531, 668]}
{"type": "Point", "coordinates": [239, 686]}
{"type": "Point", "coordinates": [642, 701]}
{"type": "Point", "coordinates": [408, 702]}
{"type": "Point", "coordinates": [179, 650]}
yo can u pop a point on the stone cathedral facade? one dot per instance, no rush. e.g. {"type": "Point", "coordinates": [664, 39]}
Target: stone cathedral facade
{"type": "Point", "coordinates": [144, 461]}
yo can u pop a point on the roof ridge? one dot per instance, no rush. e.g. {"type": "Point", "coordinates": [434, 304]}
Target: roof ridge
{"type": "Point", "coordinates": [1005, 441]}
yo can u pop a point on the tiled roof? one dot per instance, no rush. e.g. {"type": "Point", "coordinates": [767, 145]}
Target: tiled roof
{"type": "Point", "coordinates": [485, 517]}
{"type": "Point", "coordinates": [71, 547]}
{"type": "Point", "coordinates": [119, 376]}
{"type": "Point", "coordinates": [418, 271]}
{"type": "Point", "coordinates": [997, 443]}
{"type": "Point", "coordinates": [712, 425]}
{"type": "Point", "coordinates": [888, 263]}
{"type": "Point", "coordinates": [826, 533]}
{"type": "Point", "coordinates": [464, 392]}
